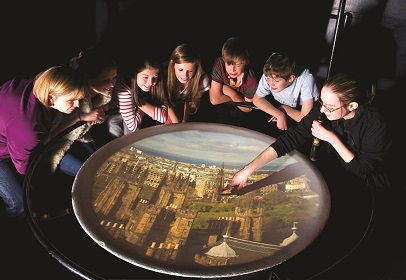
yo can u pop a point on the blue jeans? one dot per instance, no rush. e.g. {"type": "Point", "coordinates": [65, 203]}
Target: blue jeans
{"type": "Point", "coordinates": [11, 189]}
{"type": "Point", "coordinates": [75, 157]}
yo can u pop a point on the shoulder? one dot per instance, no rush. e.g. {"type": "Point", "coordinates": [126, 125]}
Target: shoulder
{"type": "Point", "coordinates": [372, 119]}
{"type": "Point", "coordinates": [251, 77]}
{"type": "Point", "coordinates": [306, 76]}
{"type": "Point", "coordinates": [17, 84]}
{"type": "Point", "coordinates": [121, 87]}
{"type": "Point", "coordinates": [374, 114]}
{"type": "Point", "coordinates": [204, 81]}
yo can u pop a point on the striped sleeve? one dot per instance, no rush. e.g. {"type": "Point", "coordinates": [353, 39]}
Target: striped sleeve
{"type": "Point", "coordinates": [161, 113]}
{"type": "Point", "coordinates": [132, 116]}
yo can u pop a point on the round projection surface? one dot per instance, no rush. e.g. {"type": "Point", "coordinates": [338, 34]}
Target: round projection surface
{"type": "Point", "coordinates": [154, 199]}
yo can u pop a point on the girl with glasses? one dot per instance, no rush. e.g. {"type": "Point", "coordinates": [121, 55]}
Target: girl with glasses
{"type": "Point", "coordinates": [354, 136]}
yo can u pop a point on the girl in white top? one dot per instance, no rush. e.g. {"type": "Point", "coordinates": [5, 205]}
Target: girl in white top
{"type": "Point", "coordinates": [293, 88]}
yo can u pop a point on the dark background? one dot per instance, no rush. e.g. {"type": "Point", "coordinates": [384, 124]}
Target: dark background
{"type": "Point", "coordinates": [39, 34]}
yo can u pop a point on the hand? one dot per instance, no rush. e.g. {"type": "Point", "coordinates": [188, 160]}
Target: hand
{"type": "Point", "coordinates": [319, 131]}
{"type": "Point", "coordinates": [280, 121]}
{"type": "Point", "coordinates": [239, 180]}
{"type": "Point", "coordinates": [96, 116]}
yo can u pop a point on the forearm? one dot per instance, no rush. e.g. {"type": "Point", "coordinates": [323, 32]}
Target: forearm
{"type": "Point", "coordinates": [346, 154]}
{"type": "Point", "coordinates": [218, 97]}
{"type": "Point", "coordinates": [157, 113]}
{"type": "Point", "coordinates": [172, 116]}
{"type": "Point", "coordinates": [268, 155]}
{"type": "Point", "coordinates": [235, 96]}
{"type": "Point", "coordinates": [292, 113]}
{"type": "Point", "coordinates": [263, 104]}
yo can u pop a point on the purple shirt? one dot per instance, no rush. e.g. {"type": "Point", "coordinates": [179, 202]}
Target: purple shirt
{"type": "Point", "coordinates": [24, 122]}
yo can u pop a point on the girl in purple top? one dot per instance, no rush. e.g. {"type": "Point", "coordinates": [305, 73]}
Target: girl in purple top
{"type": "Point", "coordinates": [27, 108]}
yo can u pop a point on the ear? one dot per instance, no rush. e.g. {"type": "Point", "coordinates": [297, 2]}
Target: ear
{"type": "Point", "coordinates": [353, 106]}
{"type": "Point", "coordinates": [51, 99]}
{"type": "Point", "coordinates": [291, 78]}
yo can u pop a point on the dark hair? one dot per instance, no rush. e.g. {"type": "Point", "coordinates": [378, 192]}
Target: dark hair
{"type": "Point", "coordinates": [91, 61]}
{"type": "Point", "coordinates": [281, 65]}
{"type": "Point", "coordinates": [129, 79]}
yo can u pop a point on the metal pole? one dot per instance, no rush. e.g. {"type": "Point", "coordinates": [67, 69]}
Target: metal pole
{"type": "Point", "coordinates": [337, 33]}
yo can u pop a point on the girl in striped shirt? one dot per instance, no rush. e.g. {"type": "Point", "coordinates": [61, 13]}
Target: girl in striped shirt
{"type": "Point", "coordinates": [140, 96]}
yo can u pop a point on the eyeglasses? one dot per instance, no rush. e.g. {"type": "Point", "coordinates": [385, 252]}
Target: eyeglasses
{"type": "Point", "coordinates": [276, 79]}
{"type": "Point", "coordinates": [328, 109]}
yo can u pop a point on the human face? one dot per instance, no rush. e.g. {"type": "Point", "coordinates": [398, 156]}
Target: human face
{"type": "Point", "coordinates": [235, 70]}
{"type": "Point", "coordinates": [147, 78]}
{"type": "Point", "coordinates": [184, 72]}
{"type": "Point", "coordinates": [278, 84]}
{"type": "Point", "coordinates": [64, 103]}
{"type": "Point", "coordinates": [332, 106]}
{"type": "Point", "coordinates": [105, 81]}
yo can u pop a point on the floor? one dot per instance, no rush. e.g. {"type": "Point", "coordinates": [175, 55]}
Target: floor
{"type": "Point", "coordinates": [380, 253]}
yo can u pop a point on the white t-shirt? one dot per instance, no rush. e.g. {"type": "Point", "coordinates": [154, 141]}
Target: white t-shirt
{"type": "Point", "coordinates": [304, 87]}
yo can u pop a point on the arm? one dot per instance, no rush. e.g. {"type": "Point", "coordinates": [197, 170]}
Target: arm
{"type": "Point", "coordinates": [22, 139]}
{"type": "Point", "coordinates": [236, 97]}
{"type": "Point", "coordinates": [277, 115]}
{"type": "Point", "coordinates": [132, 116]}
{"type": "Point", "coordinates": [172, 116]}
{"type": "Point", "coordinates": [220, 93]}
{"type": "Point", "coordinates": [157, 113]}
{"type": "Point", "coordinates": [95, 116]}
{"type": "Point", "coordinates": [297, 115]}
{"type": "Point", "coordinates": [241, 177]}
{"type": "Point", "coordinates": [216, 94]}
{"type": "Point", "coordinates": [319, 131]}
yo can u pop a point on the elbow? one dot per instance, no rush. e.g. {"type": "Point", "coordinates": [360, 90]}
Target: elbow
{"type": "Point", "coordinates": [213, 100]}
{"type": "Point", "coordinates": [255, 100]}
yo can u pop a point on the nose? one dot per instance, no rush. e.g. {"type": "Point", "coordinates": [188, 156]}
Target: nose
{"type": "Point", "coordinates": [149, 82]}
{"type": "Point", "coordinates": [112, 83]}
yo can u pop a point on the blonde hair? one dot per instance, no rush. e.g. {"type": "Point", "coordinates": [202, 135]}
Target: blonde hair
{"type": "Point", "coordinates": [185, 54]}
{"type": "Point", "coordinates": [59, 81]}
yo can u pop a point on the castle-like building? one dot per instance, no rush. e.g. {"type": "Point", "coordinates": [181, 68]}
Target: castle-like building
{"type": "Point", "coordinates": [144, 207]}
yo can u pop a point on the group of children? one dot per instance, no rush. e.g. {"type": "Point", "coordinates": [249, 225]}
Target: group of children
{"type": "Point", "coordinates": [109, 103]}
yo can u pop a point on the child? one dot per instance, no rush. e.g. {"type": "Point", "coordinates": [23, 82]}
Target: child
{"type": "Point", "coordinates": [292, 87]}
{"type": "Point", "coordinates": [186, 83]}
{"type": "Point", "coordinates": [141, 97]}
{"type": "Point", "coordinates": [27, 109]}
{"type": "Point", "coordinates": [232, 80]}
{"type": "Point", "coordinates": [99, 68]}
